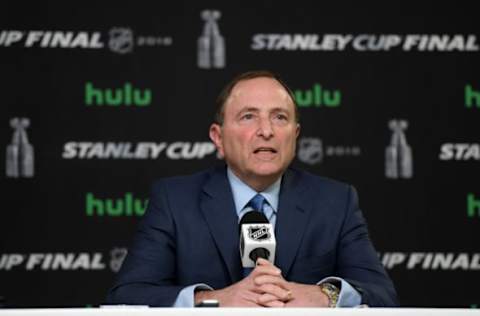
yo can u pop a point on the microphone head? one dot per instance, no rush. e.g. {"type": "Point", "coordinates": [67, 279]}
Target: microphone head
{"type": "Point", "coordinates": [257, 239]}
{"type": "Point", "coordinates": [254, 217]}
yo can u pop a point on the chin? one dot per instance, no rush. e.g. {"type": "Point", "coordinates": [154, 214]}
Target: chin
{"type": "Point", "coordinates": [268, 171]}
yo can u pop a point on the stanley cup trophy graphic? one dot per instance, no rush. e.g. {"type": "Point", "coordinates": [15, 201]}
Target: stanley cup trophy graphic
{"type": "Point", "coordinates": [20, 157]}
{"type": "Point", "coordinates": [211, 45]}
{"type": "Point", "coordinates": [398, 155]}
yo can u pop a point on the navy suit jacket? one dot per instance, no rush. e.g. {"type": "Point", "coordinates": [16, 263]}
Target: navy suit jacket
{"type": "Point", "coordinates": [189, 234]}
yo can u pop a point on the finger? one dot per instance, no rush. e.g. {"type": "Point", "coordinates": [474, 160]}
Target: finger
{"type": "Point", "coordinates": [266, 278]}
{"type": "Point", "coordinates": [266, 269]}
{"type": "Point", "coordinates": [247, 304]}
{"type": "Point", "coordinates": [269, 300]}
{"type": "Point", "coordinates": [275, 304]}
{"type": "Point", "coordinates": [281, 293]}
{"type": "Point", "coordinates": [266, 298]}
{"type": "Point", "coordinates": [250, 298]}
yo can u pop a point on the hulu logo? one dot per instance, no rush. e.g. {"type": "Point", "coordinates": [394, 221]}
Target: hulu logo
{"type": "Point", "coordinates": [472, 97]}
{"type": "Point", "coordinates": [125, 96]}
{"type": "Point", "coordinates": [318, 97]}
{"type": "Point", "coordinates": [125, 206]}
{"type": "Point", "coordinates": [473, 206]}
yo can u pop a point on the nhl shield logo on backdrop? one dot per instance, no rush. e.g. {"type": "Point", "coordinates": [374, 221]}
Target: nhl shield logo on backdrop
{"type": "Point", "coordinates": [310, 150]}
{"type": "Point", "coordinates": [121, 40]}
{"type": "Point", "coordinates": [117, 255]}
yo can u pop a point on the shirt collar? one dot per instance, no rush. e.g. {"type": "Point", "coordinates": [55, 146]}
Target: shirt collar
{"type": "Point", "coordinates": [242, 193]}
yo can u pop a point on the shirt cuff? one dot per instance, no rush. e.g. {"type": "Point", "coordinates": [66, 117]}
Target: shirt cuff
{"type": "Point", "coordinates": [348, 296]}
{"type": "Point", "coordinates": [186, 297]}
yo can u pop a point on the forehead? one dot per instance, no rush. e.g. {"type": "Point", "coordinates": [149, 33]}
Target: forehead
{"type": "Point", "coordinates": [259, 92]}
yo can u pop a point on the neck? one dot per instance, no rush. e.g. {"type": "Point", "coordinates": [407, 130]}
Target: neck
{"type": "Point", "coordinates": [258, 183]}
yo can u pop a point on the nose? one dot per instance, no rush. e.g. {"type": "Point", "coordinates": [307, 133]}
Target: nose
{"type": "Point", "coordinates": [265, 128]}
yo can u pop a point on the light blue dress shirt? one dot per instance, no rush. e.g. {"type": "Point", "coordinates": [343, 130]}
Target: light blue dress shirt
{"type": "Point", "coordinates": [242, 194]}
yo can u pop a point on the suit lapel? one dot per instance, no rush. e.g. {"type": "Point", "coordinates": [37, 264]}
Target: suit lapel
{"type": "Point", "coordinates": [218, 207]}
{"type": "Point", "coordinates": [293, 214]}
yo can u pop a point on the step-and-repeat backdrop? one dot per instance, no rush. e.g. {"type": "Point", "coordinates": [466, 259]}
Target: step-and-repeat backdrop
{"type": "Point", "coordinates": [97, 101]}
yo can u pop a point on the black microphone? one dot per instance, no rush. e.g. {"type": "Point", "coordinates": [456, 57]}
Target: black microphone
{"type": "Point", "coordinates": [257, 239]}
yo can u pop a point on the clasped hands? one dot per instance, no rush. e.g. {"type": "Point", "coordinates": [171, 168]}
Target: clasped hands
{"type": "Point", "coordinates": [266, 287]}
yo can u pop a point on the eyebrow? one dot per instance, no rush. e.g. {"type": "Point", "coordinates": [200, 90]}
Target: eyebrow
{"type": "Point", "coordinates": [249, 109]}
{"type": "Point", "coordinates": [280, 110]}
{"type": "Point", "coordinates": [255, 109]}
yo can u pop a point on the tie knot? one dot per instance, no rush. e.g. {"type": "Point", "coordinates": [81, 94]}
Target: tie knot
{"type": "Point", "coordinates": [257, 202]}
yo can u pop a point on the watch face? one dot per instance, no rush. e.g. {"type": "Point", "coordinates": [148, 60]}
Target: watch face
{"type": "Point", "coordinates": [208, 303]}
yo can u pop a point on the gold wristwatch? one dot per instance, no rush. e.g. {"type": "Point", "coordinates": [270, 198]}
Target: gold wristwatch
{"type": "Point", "coordinates": [332, 292]}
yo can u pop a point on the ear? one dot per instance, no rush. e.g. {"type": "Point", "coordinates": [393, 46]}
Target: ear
{"type": "Point", "coordinates": [215, 134]}
{"type": "Point", "coordinates": [297, 132]}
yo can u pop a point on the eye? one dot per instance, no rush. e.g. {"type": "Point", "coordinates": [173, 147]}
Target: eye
{"type": "Point", "coordinates": [246, 116]}
{"type": "Point", "coordinates": [281, 117]}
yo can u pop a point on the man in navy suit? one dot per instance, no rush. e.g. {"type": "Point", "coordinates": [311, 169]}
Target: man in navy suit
{"type": "Point", "coordinates": [186, 249]}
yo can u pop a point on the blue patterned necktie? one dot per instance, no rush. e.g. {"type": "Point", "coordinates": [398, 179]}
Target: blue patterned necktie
{"type": "Point", "coordinates": [257, 202]}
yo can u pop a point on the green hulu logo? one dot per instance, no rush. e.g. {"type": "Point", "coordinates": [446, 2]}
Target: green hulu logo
{"type": "Point", "coordinates": [125, 206]}
{"type": "Point", "coordinates": [472, 97]}
{"type": "Point", "coordinates": [318, 97]}
{"type": "Point", "coordinates": [125, 96]}
{"type": "Point", "coordinates": [473, 206]}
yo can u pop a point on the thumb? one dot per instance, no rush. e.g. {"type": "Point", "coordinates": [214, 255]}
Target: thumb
{"type": "Point", "coordinates": [263, 262]}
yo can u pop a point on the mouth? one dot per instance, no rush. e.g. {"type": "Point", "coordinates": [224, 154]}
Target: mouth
{"type": "Point", "coordinates": [268, 150]}
{"type": "Point", "coordinates": [265, 153]}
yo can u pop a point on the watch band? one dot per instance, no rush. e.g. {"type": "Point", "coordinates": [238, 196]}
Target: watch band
{"type": "Point", "coordinates": [332, 292]}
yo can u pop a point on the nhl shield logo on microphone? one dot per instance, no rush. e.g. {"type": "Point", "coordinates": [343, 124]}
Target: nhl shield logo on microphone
{"type": "Point", "coordinates": [259, 233]}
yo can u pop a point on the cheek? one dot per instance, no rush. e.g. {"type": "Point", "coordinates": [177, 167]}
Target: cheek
{"type": "Point", "coordinates": [239, 141]}
{"type": "Point", "coordinates": [237, 146]}
{"type": "Point", "coordinates": [232, 145]}
{"type": "Point", "coordinates": [290, 143]}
